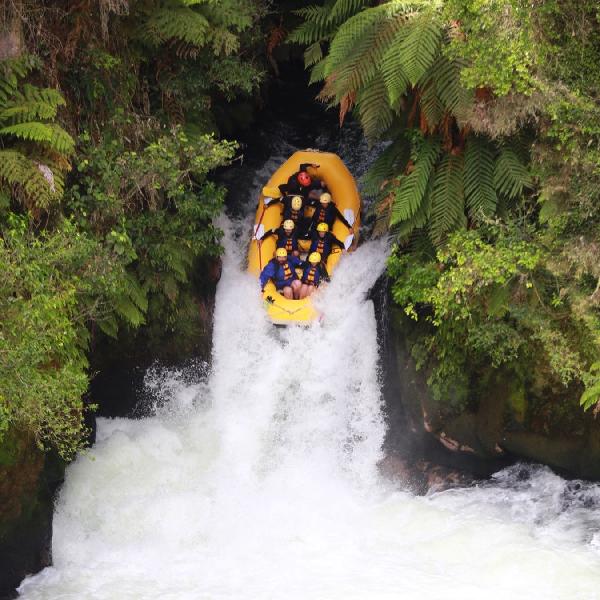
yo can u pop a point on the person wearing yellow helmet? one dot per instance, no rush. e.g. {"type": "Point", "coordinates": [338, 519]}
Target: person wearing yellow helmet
{"type": "Point", "coordinates": [293, 208]}
{"type": "Point", "coordinates": [282, 271]}
{"type": "Point", "coordinates": [327, 212]}
{"type": "Point", "coordinates": [322, 240]}
{"type": "Point", "coordinates": [286, 237]}
{"type": "Point", "coordinates": [314, 272]}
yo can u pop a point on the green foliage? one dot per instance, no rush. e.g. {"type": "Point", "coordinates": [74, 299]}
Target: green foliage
{"type": "Point", "coordinates": [51, 286]}
{"type": "Point", "coordinates": [591, 396]}
{"type": "Point", "coordinates": [35, 149]}
{"type": "Point", "coordinates": [487, 300]}
{"type": "Point", "coordinates": [201, 24]}
{"type": "Point", "coordinates": [154, 208]}
{"type": "Point", "coordinates": [391, 63]}
{"type": "Point", "coordinates": [496, 42]}
{"type": "Point", "coordinates": [118, 248]}
{"type": "Point", "coordinates": [413, 187]}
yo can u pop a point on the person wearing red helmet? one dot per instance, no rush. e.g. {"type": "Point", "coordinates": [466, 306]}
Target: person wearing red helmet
{"type": "Point", "coordinates": [301, 183]}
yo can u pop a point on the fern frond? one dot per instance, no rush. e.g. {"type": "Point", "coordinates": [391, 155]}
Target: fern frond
{"type": "Point", "coordinates": [13, 69]}
{"type": "Point", "coordinates": [422, 216]}
{"type": "Point", "coordinates": [391, 161]}
{"type": "Point", "coordinates": [135, 292]}
{"type": "Point", "coordinates": [420, 48]}
{"type": "Point", "coordinates": [511, 176]}
{"type": "Point", "coordinates": [180, 23]}
{"type": "Point", "coordinates": [32, 103]}
{"type": "Point", "coordinates": [35, 183]}
{"type": "Point", "coordinates": [313, 54]}
{"type": "Point", "coordinates": [317, 73]}
{"type": "Point", "coordinates": [47, 133]}
{"type": "Point", "coordinates": [431, 105]}
{"type": "Point", "coordinates": [446, 75]}
{"type": "Point", "coordinates": [480, 194]}
{"type": "Point", "coordinates": [230, 14]}
{"type": "Point", "coordinates": [361, 30]}
{"type": "Point", "coordinates": [344, 9]}
{"type": "Point", "coordinates": [376, 116]}
{"type": "Point", "coordinates": [129, 312]}
{"type": "Point", "coordinates": [223, 41]}
{"type": "Point", "coordinates": [411, 190]}
{"type": "Point", "coordinates": [363, 62]}
{"type": "Point", "coordinates": [448, 203]}
{"type": "Point", "coordinates": [315, 27]}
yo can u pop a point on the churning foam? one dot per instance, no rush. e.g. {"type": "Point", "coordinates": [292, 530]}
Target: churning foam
{"type": "Point", "coordinates": [261, 482]}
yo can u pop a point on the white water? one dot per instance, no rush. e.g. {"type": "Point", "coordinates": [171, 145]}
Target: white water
{"type": "Point", "coordinates": [261, 482]}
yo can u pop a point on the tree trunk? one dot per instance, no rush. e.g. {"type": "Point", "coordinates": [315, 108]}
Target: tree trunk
{"type": "Point", "coordinates": [11, 29]}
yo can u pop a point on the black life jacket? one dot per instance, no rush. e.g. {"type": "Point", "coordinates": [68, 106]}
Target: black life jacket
{"type": "Point", "coordinates": [310, 276]}
{"type": "Point", "coordinates": [287, 271]}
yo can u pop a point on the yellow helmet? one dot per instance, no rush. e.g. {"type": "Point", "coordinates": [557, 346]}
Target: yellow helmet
{"type": "Point", "coordinates": [288, 224]}
{"type": "Point", "coordinates": [281, 253]}
{"type": "Point", "coordinates": [325, 198]}
{"type": "Point", "coordinates": [314, 258]}
{"type": "Point", "coordinates": [322, 227]}
{"type": "Point", "coordinates": [297, 202]}
{"type": "Point", "coordinates": [271, 192]}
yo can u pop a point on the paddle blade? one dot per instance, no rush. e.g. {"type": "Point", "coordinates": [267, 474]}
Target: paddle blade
{"type": "Point", "coordinates": [259, 231]}
{"type": "Point", "coordinates": [349, 216]}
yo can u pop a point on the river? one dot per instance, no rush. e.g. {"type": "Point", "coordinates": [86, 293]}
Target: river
{"type": "Point", "coordinates": [258, 478]}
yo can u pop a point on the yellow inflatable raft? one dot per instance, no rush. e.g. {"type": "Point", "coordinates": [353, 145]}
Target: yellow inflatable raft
{"type": "Point", "coordinates": [342, 187]}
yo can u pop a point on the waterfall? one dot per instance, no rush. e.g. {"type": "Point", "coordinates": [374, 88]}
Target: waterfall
{"type": "Point", "coordinates": [260, 480]}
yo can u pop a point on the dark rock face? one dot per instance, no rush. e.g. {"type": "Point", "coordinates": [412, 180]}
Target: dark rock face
{"type": "Point", "coordinates": [29, 479]}
{"type": "Point", "coordinates": [505, 420]}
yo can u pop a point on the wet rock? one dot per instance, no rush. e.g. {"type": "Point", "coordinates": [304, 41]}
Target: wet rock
{"type": "Point", "coordinates": [29, 479]}
{"type": "Point", "coordinates": [439, 478]}
{"type": "Point", "coordinates": [400, 471]}
{"type": "Point", "coordinates": [422, 477]}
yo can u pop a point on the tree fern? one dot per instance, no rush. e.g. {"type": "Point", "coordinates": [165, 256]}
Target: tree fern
{"type": "Point", "coordinates": [447, 202]}
{"type": "Point", "coordinates": [480, 194]}
{"type": "Point", "coordinates": [387, 63]}
{"type": "Point", "coordinates": [411, 190]}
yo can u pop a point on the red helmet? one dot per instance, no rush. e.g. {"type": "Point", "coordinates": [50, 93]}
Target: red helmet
{"type": "Point", "coordinates": [304, 178]}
